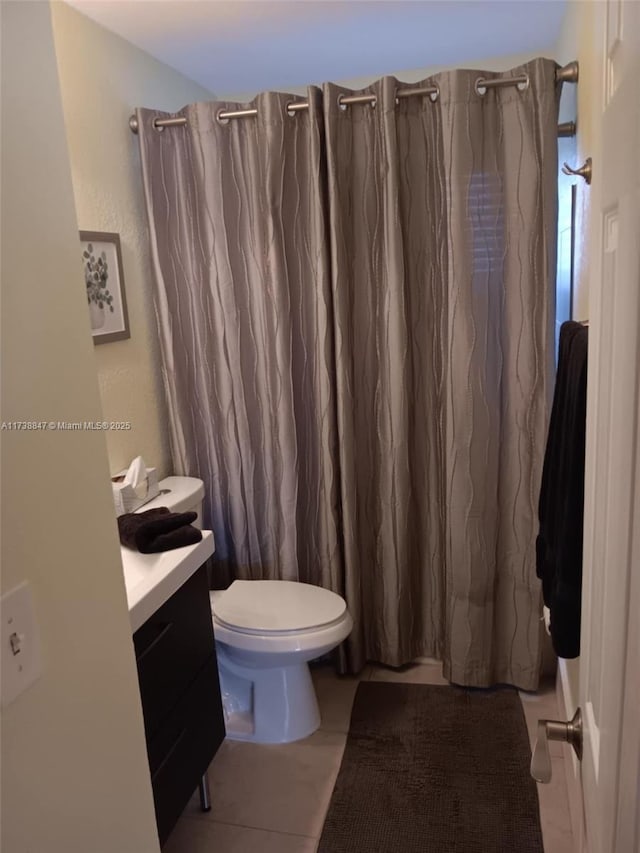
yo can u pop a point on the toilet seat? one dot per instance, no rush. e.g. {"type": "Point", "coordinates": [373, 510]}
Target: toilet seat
{"type": "Point", "coordinates": [277, 608]}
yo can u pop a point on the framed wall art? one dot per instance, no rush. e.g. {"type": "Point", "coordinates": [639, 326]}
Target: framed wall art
{"type": "Point", "coordinates": [104, 280]}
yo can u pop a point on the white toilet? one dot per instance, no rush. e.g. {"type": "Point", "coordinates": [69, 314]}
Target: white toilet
{"type": "Point", "coordinates": [266, 633]}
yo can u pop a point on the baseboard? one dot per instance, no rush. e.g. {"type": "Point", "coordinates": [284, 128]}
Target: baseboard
{"type": "Point", "coordinates": [567, 697]}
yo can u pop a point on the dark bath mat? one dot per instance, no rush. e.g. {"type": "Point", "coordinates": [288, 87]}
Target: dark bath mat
{"type": "Point", "coordinates": [434, 770]}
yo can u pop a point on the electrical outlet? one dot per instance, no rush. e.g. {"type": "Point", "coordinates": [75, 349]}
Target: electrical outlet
{"type": "Point", "coordinates": [21, 662]}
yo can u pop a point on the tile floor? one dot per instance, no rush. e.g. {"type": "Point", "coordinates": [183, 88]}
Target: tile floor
{"type": "Point", "coordinates": [273, 799]}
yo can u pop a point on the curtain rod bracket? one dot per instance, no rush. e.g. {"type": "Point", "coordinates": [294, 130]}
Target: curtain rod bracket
{"type": "Point", "coordinates": [567, 128]}
{"type": "Point", "coordinates": [569, 73]}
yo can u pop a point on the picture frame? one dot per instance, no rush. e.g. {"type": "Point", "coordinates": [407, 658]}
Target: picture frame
{"type": "Point", "coordinates": [104, 282]}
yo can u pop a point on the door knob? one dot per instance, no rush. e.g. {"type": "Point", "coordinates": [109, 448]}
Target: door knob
{"type": "Point", "coordinates": [571, 732]}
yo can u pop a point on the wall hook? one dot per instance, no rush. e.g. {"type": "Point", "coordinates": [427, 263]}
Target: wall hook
{"type": "Point", "coordinates": [584, 171]}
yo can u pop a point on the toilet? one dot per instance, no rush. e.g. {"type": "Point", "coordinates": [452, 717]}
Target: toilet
{"type": "Point", "coordinates": [266, 632]}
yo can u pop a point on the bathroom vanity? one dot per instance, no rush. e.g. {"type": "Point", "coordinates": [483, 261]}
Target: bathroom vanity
{"type": "Point", "coordinates": [170, 615]}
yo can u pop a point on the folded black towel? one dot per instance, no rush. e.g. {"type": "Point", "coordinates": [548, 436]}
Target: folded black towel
{"type": "Point", "coordinates": [158, 530]}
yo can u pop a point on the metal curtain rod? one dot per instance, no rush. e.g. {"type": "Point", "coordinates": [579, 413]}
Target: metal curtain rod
{"type": "Point", "coordinates": [568, 74]}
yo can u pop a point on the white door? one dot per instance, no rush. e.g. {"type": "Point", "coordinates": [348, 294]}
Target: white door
{"type": "Point", "coordinates": [610, 648]}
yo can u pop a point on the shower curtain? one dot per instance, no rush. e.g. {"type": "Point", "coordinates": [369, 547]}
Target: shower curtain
{"type": "Point", "coordinates": [356, 314]}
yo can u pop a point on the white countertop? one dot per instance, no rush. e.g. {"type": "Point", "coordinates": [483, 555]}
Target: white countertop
{"type": "Point", "coordinates": [151, 579]}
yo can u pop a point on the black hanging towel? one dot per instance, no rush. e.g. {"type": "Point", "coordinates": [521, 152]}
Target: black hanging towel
{"type": "Point", "coordinates": [561, 507]}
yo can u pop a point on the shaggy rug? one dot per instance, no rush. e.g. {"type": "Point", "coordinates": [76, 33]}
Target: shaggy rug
{"type": "Point", "coordinates": [431, 769]}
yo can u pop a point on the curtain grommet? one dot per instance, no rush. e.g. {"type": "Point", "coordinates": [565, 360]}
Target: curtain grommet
{"type": "Point", "coordinates": [435, 96]}
{"type": "Point", "coordinates": [157, 127]}
{"type": "Point", "coordinates": [291, 113]}
{"type": "Point", "coordinates": [522, 87]}
{"type": "Point", "coordinates": [220, 118]}
{"type": "Point", "coordinates": [341, 106]}
{"type": "Point", "coordinates": [479, 87]}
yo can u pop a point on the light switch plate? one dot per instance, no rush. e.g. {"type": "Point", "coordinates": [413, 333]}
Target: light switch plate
{"type": "Point", "coordinates": [21, 660]}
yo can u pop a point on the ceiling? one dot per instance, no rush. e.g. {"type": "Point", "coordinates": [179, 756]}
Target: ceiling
{"type": "Point", "coordinates": [251, 45]}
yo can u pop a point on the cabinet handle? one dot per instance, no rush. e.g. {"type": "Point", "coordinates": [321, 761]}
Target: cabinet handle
{"type": "Point", "coordinates": [172, 749]}
{"type": "Point", "coordinates": [165, 630]}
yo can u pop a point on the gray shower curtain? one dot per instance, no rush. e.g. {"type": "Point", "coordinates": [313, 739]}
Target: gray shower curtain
{"type": "Point", "coordinates": [356, 313]}
{"type": "Point", "coordinates": [243, 301]}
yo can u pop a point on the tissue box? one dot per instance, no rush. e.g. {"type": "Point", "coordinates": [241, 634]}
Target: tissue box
{"type": "Point", "coordinates": [128, 498]}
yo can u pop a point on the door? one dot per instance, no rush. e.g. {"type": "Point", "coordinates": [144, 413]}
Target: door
{"type": "Point", "coordinates": [610, 648]}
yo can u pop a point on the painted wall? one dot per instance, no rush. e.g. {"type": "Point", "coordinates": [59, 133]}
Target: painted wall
{"type": "Point", "coordinates": [103, 78]}
{"type": "Point", "coordinates": [74, 767]}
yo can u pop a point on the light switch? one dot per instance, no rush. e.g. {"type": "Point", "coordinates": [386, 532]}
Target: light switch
{"type": "Point", "coordinates": [21, 663]}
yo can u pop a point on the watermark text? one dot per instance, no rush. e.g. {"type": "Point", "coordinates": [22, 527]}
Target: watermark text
{"type": "Point", "coordinates": [63, 426]}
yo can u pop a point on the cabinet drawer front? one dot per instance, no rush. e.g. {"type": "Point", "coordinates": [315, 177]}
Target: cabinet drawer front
{"type": "Point", "coordinates": [172, 647]}
{"type": "Point", "coordinates": [184, 746]}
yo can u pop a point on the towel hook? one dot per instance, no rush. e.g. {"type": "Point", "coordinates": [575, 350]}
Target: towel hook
{"type": "Point", "coordinates": [584, 171]}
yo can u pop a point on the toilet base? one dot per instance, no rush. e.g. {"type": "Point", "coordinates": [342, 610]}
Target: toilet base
{"type": "Point", "coordinates": [266, 705]}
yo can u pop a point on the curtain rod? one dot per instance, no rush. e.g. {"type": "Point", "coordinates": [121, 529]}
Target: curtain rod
{"type": "Point", "coordinates": [568, 74]}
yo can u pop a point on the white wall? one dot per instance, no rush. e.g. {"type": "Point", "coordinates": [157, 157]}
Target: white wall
{"type": "Point", "coordinates": [75, 777]}
{"type": "Point", "coordinates": [103, 78]}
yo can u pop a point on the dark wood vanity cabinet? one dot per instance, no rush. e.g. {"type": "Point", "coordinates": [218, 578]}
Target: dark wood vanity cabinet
{"type": "Point", "coordinates": [180, 691]}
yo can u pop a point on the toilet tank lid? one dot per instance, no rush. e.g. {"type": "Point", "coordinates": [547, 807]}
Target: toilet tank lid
{"type": "Point", "coordinates": [179, 494]}
{"type": "Point", "coordinates": [277, 606]}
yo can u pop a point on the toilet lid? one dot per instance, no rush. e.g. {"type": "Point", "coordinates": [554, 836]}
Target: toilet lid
{"type": "Point", "coordinates": [277, 606]}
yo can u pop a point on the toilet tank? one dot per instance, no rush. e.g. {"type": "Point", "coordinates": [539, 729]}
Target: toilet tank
{"type": "Point", "coordinates": [179, 494]}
